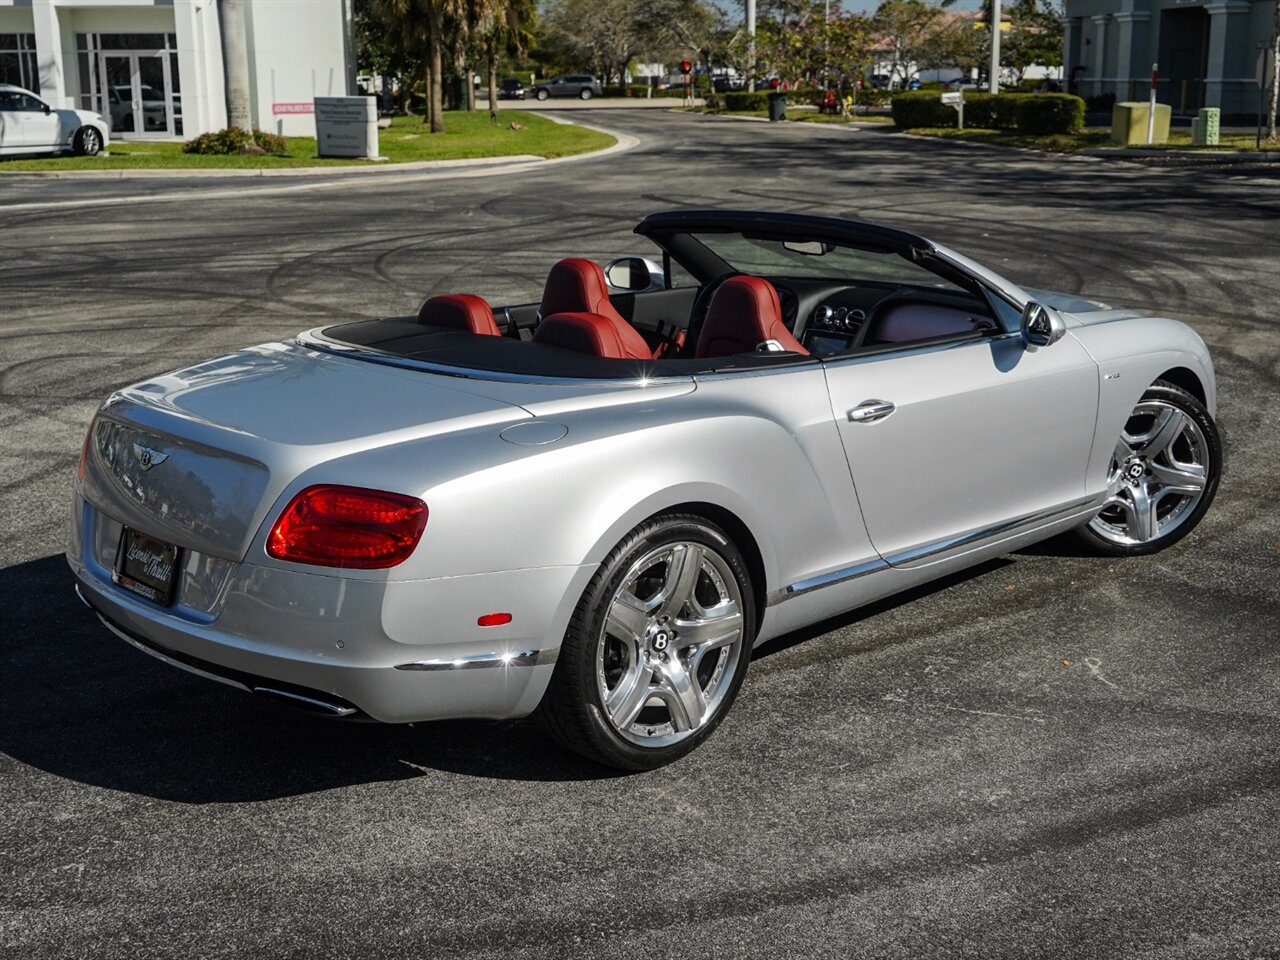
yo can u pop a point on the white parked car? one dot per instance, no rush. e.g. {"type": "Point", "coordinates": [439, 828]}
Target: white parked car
{"type": "Point", "coordinates": [29, 125]}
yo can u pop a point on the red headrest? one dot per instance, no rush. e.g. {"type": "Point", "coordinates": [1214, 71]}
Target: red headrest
{"type": "Point", "coordinates": [577, 286]}
{"type": "Point", "coordinates": [743, 314]}
{"type": "Point", "coordinates": [593, 333]}
{"type": "Point", "coordinates": [460, 310]}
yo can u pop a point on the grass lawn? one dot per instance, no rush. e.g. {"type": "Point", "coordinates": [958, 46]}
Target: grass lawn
{"type": "Point", "coordinates": [836, 118]}
{"type": "Point", "coordinates": [407, 140]}
{"type": "Point", "coordinates": [1051, 143]}
{"type": "Point", "coordinates": [1087, 139]}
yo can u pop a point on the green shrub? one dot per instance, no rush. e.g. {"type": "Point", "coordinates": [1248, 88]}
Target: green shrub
{"type": "Point", "coordinates": [1044, 113]}
{"type": "Point", "coordinates": [997, 111]}
{"type": "Point", "coordinates": [922, 108]}
{"type": "Point", "coordinates": [231, 140]}
{"type": "Point", "coordinates": [739, 101]}
{"type": "Point", "coordinates": [1030, 113]}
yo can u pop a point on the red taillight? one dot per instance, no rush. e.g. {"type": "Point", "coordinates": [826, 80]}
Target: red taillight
{"type": "Point", "coordinates": [493, 619]}
{"type": "Point", "coordinates": [332, 526]}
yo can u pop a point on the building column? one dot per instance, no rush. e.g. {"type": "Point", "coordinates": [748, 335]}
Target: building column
{"type": "Point", "coordinates": [1070, 46]}
{"type": "Point", "coordinates": [1133, 53]}
{"type": "Point", "coordinates": [1230, 71]}
{"type": "Point", "coordinates": [199, 41]}
{"type": "Point", "coordinates": [49, 53]}
{"type": "Point", "coordinates": [1098, 62]}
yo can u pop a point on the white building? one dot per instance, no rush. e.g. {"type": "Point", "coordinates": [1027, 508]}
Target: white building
{"type": "Point", "coordinates": [154, 67]}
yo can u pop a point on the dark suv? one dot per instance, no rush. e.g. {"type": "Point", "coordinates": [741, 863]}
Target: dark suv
{"type": "Point", "coordinates": [580, 85]}
{"type": "Point", "coordinates": [511, 89]}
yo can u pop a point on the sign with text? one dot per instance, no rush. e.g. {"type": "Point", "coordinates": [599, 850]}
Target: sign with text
{"type": "Point", "coordinates": [286, 109]}
{"type": "Point", "coordinates": [953, 97]}
{"type": "Point", "coordinates": [347, 127]}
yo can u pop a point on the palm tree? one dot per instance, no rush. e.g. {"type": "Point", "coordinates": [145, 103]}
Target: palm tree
{"type": "Point", "coordinates": [235, 61]}
{"type": "Point", "coordinates": [422, 23]}
{"type": "Point", "coordinates": [509, 31]}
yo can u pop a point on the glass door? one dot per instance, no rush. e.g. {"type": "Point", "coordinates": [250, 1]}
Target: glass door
{"type": "Point", "coordinates": [139, 94]}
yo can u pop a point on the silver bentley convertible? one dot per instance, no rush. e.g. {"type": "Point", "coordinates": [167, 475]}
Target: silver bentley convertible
{"type": "Point", "coordinates": [592, 508]}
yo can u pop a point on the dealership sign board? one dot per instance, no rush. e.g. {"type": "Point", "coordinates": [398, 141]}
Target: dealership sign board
{"type": "Point", "coordinates": [346, 127]}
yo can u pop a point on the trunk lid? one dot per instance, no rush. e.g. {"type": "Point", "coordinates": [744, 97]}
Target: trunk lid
{"type": "Point", "coordinates": [198, 456]}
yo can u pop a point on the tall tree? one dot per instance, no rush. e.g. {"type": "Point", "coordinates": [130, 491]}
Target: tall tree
{"type": "Point", "coordinates": [422, 24]}
{"type": "Point", "coordinates": [1275, 74]}
{"type": "Point", "coordinates": [510, 33]}
{"type": "Point", "coordinates": [235, 64]}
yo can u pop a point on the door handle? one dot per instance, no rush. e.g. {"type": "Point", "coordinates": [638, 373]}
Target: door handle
{"type": "Point", "coordinates": [868, 411]}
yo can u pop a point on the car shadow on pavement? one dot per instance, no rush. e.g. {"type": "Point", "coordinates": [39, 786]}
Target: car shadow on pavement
{"type": "Point", "coordinates": [79, 703]}
{"type": "Point", "coordinates": [848, 619]}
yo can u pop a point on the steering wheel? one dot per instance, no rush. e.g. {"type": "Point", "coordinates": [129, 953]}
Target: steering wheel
{"type": "Point", "coordinates": [701, 304]}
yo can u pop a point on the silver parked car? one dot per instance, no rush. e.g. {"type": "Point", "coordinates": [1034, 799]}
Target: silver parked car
{"type": "Point", "coordinates": [593, 507]}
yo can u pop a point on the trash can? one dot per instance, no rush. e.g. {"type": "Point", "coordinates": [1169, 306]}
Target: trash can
{"type": "Point", "coordinates": [777, 106]}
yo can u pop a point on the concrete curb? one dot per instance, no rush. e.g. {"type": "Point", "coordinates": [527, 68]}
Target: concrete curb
{"type": "Point", "coordinates": [1189, 157]}
{"type": "Point", "coordinates": [464, 166]}
{"type": "Point", "coordinates": [457, 171]}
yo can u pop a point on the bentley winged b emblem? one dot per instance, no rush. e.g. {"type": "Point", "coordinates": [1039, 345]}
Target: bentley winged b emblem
{"type": "Point", "coordinates": [148, 458]}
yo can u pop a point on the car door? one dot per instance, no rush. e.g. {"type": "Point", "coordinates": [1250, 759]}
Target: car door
{"type": "Point", "coordinates": [951, 443]}
{"type": "Point", "coordinates": [39, 122]}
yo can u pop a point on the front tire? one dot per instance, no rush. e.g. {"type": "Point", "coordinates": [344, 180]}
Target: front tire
{"type": "Point", "coordinates": [542, 94]}
{"type": "Point", "coordinates": [584, 94]}
{"type": "Point", "coordinates": [657, 647]}
{"type": "Point", "coordinates": [88, 142]}
{"type": "Point", "coordinates": [1163, 477]}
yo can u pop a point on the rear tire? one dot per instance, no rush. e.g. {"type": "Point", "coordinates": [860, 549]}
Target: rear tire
{"type": "Point", "coordinates": [1164, 474]}
{"type": "Point", "coordinates": [584, 94]}
{"type": "Point", "coordinates": [542, 94]}
{"type": "Point", "coordinates": [657, 647]}
{"type": "Point", "coordinates": [88, 142]}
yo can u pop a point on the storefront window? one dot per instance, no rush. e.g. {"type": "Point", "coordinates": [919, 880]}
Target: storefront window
{"type": "Point", "coordinates": [18, 60]}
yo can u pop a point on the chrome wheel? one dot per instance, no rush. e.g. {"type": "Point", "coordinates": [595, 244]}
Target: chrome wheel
{"type": "Point", "coordinates": [1159, 473]}
{"type": "Point", "coordinates": [670, 644]}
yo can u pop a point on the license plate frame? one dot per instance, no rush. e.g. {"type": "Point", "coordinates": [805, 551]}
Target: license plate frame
{"type": "Point", "coordinates": [147, 566]}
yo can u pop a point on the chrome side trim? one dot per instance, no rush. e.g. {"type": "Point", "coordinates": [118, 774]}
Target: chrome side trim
{"type": "Point", "coordinates": [512, 658]}
{"type": "Point", "coordinates": [925, 551]}
{"type": "Point", "coordinates": [973, 536]}
{"type": "Point", "coordinates": [311, 703]}
{"type": "Point", "coordinates": [825, 580]}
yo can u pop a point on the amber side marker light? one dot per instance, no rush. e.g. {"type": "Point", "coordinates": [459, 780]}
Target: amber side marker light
{"type": "Point", "coordinates": [349, 527]}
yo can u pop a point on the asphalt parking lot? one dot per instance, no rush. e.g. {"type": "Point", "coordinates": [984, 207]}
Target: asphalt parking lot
{"type": "Point", "coordinates": [1050, 756]}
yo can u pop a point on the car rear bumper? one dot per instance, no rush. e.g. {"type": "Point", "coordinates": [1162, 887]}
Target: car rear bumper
{"type": "Point", "coordinates": [393, 651]}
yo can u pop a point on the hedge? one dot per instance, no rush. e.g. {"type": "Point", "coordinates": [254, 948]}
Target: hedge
{"type": "Point", "coordinates": [1050, 113]}
{"type": "Point", "coordinates": [231, 140]}
{"type": "Point", "coordinates": [1030, 113]}
{"type": "Point", "coordinates": [742, 100]}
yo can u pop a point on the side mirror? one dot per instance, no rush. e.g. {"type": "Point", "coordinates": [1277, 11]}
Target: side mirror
{"type": "Point", "coordinates": [634, 274]}
{"type": "Point", "coordinates": [1041, 325]}
{"type": "Point", "coordinates": [47, 109]}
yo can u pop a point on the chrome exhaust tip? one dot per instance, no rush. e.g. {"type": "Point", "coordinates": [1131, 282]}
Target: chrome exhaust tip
{"type": "Point", "coordinates": [325, 708]}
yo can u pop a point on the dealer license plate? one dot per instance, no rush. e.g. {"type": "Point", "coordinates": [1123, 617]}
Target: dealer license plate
{"type": "Point", "coordinates": [147, 566]}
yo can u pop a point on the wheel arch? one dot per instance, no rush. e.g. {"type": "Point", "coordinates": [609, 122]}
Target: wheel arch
{"type": "Point", "coordinates": [741, 535]}
{"type": "Point", "coordinates": [1187, 380]}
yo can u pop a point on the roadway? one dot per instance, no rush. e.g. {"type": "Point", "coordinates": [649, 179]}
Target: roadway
{"type": "Point", "coordinates": [1050, 756]}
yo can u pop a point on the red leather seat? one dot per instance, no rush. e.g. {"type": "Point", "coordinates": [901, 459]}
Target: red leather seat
{"type": "Point", "coordinates": [575, 285]}
{"type": "Point", "coordinates": [593, 333]}
{"type": "Point", "coordinates": [743, 314]}
{"type": "Point", "coordinates": [461, 311]}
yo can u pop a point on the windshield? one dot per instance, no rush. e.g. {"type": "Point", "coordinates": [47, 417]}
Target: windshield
{"type": "Point", "coordinates": [819, 259]}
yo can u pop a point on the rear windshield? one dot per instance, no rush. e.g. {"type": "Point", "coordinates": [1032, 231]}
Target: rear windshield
{"type": "Point", "coordinates": [818, 259]}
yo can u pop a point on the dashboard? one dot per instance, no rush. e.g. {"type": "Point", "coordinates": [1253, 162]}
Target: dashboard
{"type": "Point", "coordinates": [830, 317]}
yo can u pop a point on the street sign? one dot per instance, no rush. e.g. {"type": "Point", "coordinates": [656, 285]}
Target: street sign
{"type": "Point", "coordinates": [953, 97]}
{"type": "Point", "coordinates": [686, 66]}
{"type": "Point", "coordinates": [1265, 69]}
